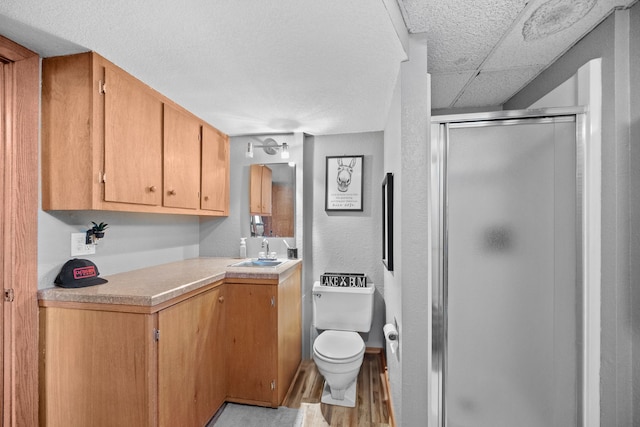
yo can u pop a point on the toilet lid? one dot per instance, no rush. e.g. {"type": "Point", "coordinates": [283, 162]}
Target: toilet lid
{"type": "Point", "coordinates": [339, 345]}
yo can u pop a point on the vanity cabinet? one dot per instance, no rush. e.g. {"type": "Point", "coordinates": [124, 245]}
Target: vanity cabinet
{"type": "Point", "coordinates": [260, 181]}
{"type": "Point", "coordinates": [263, 338]}
{"type": "Point", "coordinates": [110, 142]}
{"type": "Point", "coordinates": [103, 364]}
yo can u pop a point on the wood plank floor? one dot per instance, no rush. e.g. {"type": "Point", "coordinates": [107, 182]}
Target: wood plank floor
{"type": "Point", "coordinates": [372, 408]}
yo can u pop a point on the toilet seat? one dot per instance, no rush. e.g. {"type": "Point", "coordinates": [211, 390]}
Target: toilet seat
{"type": "Point", "coordinates": [339, 346]}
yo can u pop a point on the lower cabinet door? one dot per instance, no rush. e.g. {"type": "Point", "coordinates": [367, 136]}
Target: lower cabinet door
{"type": "Point", "coordinates": [252, 341]}
{"type": "Point", "coordinates": [191, 359]}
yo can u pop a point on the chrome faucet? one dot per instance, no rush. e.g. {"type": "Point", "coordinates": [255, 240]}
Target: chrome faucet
{"type": "Point", "coordinates": [265, 242]}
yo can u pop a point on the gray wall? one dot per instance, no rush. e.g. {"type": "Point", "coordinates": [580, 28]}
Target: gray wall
{"type": "Point", "coordinates": [407, 295]}
{"type": "Point", "coordinates": [132, 241]}
{"type": "Point", "coordinates": [634, 205]}
{"type": "Point", "coordinates": [221, 236]}
{"type": "Point", "coordinates": [616, 42]}
{"type": "Point", "coordinates": [343, 241]}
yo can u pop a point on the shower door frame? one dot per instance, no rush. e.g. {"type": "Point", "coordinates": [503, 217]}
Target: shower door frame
{"type": "Point", "coordinates": [587, 250]}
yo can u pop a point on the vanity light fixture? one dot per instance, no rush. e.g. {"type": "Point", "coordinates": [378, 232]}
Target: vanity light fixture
{"type": "Point", "coordinates": [270, 146]}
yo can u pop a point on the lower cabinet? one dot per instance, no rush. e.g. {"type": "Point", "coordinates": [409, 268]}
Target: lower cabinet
{"type": "Point", "coordinates": [118, 368]}
{"type": "Point", "coordinates": [264, 335]}
{"type": "Point", "coordinates": [191, 360]}
{"type": "Point", "coordinates": [170, 365]}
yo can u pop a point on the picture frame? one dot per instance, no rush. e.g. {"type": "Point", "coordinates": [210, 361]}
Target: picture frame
{"type": "Point", "coordinates": [387, 221]}
{"type": "Point", "coordinates": [344, 183]}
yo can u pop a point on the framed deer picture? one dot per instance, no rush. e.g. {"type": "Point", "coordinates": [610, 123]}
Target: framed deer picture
{"type": "Point", "coordinates": [344, 184]}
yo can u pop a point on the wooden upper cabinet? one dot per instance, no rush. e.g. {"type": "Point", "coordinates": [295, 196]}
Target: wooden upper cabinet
{"type": "Point", "coordinates": [215, 171]}
{"type": "Point", "coordinates": [260, 180]}
{"type": "Point", "coordinates": [132, 141]}
{"type": "Point", "coordinates": [181, 159]}
{"type": "Point", "coordinates": [110, 142]}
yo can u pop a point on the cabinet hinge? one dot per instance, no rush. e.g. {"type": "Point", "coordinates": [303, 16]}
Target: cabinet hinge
{"type": "Point", "coordinates": [9, 295]}
{"type": "Point", "coordinates": [273, 301]}
{"type": "Point", "coordinates": [102, 87]}
{"type": "Point", "coordinates": [273, 385]}
{"type": "Point", "coordinates": [156, 335]}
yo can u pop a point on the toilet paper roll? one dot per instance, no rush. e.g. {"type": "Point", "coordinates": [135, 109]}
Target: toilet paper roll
{"type": "Point", "coordinates": [390, 332]}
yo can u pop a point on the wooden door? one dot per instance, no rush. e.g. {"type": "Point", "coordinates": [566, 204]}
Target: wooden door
{"type": "Point", "coordinates": [181, 159]}
{"type": "Point", "coordinates": [191, 360]}
{"type": "Point", "coordinates": [251, 343]}
{"type": "Point", "coordinates": [215, 171]}
{"type": "Point", "coordinates": [282, 210]}
{"type": "Point", "coordinates": [132, 141]}
{"type": "Point", "coordinates": [266, 190]}
{"type": "Point", "coordinates": [19, 97]}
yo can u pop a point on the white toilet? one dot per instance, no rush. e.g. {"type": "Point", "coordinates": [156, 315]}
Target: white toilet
{"type": "Point", "coordinates": [341, 312]}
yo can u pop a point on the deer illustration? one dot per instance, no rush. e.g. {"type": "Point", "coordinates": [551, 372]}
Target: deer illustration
{"type": "Point", "coordinates": [344, 174]}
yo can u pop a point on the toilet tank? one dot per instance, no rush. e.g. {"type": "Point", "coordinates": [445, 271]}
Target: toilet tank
{"type": "Point", "coordinates": [343, 308]}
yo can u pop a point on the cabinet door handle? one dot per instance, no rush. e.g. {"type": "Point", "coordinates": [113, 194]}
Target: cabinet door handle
{"type": "Point", "coordinates": [152, 189]}
{"type": "Point", "coordinates": [221, 299]}
{"type": "Point", "coordinates": [172, 192]}
{"type": "Point", "coordinates": [206, 198]}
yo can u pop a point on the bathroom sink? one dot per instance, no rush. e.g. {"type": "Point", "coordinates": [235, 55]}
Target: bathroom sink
{"type": "Point", "coordinates": [258, 263]}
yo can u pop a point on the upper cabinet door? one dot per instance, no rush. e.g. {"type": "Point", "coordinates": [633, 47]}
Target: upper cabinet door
{"type": "Point", "coordinates": [215, 171]}
{"type": "Point", "coordinates": [181, 159]}
{"type": "Point", "coordinates": [132, 141]}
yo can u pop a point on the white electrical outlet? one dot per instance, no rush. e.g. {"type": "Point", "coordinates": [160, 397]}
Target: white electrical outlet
{"type": "Point", "coordinates": [79, 245]}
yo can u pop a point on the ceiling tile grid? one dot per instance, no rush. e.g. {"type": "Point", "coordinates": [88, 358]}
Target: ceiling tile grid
{"type": "Point", "coordinates": [492, 88]}
{"type": "Point", "coordinates": [461, 33]}
{"type": "Point", "coordinates": [445, 88]}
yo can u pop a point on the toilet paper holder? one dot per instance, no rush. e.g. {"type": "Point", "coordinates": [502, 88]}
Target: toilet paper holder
{"type": "Point", "coordinates": [390, 332]}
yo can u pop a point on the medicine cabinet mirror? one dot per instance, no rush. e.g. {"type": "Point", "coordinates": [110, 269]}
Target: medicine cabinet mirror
{"type": "Point", "coordinates": [276, 217]}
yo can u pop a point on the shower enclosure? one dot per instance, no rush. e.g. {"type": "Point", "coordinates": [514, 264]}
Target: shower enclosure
{"type": "Point", "coordinates": [507, 269]}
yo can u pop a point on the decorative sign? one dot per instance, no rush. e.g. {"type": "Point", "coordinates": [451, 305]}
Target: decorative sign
{"type": "Point", "coordinates": [353, 280]}
{"type": "Point", "coordinates": [344, 183]}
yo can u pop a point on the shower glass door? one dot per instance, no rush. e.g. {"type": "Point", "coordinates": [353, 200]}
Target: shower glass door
{"type": "Point", "coordinates": [510, 285]}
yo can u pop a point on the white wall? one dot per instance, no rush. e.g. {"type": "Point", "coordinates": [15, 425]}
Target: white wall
{"type": "Point", "coordinates": [343, 241]}
{"type": "Point", "coordinates": [407, 296]}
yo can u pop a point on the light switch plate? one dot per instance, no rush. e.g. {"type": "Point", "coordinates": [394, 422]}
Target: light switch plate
{"type": "Point", "coordinates": [79, 245]}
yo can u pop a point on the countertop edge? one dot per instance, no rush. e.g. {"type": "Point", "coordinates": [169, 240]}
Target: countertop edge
{"type": "Point", "coordinates": [105, 294]}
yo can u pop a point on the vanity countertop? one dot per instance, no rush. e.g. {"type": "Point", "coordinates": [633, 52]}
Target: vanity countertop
{"type": "Point", "coordinates": [151, 286]}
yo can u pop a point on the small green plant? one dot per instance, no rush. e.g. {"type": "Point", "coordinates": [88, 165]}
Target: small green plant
{"type": "Point", "coordinates": [99, 228]}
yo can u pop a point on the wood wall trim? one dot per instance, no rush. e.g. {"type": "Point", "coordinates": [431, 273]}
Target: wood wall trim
{"type": "Point", "coordinates": [19, 206]}
{"type": "Point", "coordinates": [13, 52]}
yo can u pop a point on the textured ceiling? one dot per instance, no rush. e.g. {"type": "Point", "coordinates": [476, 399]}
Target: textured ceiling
{"type": "Point", "coordinates": [245, 66]}
{"type": "Point", "coordinates": [320, 67]}
{"type": "Point", "coordinates": [482, 52]}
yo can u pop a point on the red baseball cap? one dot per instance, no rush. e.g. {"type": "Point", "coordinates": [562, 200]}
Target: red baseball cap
{"type": "Point", "coordinates": [78, 273]}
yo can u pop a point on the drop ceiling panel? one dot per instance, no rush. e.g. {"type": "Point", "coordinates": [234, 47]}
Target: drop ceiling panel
{"type": "Point", "coordinates": [491, 88]}
{"type": "Point", "coordinates": [461, 33]}
{"type": "Point", "coordinates": [446, 87]}
{"type": "Point", "coordinates": [517, 52]}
